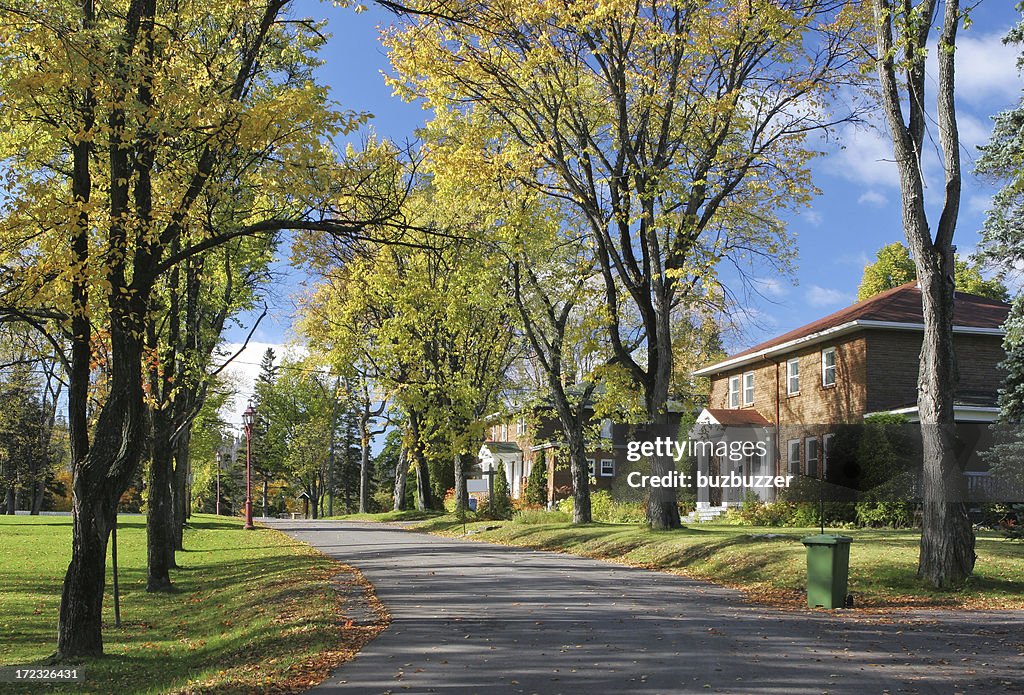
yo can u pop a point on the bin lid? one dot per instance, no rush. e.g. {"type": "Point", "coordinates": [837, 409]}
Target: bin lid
{"type": "Point", "coordinates": [826, 539]}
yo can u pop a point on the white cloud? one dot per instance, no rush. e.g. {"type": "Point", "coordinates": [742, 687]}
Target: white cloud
{"type": "Point", "coordinates": [973, 132]}
{"type": "Point", "coordinates": [872, 198]}
{"type": "Point", "coordinates": [856, 260]}
{"type": "Point", "coordinates": [986, 69]}
{"type": "Point", "coordinates": [244, 369]}
{"type": "Point", "coordinates": [866, 157]}
{"type": "Point", "coordinates": [979, 204]}
{"type": "Point", "coordinates": [771, 287]}
{"type": "Point", "coordinates": [823, 296]}
{"type": "Point", "coordinates": [813, 218]}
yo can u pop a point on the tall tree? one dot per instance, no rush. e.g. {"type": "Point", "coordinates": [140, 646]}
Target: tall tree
{"type": "Point", "coordinates": [1002, 247]}
{"type": "Point", "coordinates": [677, 130]}
{"type": "Point", "coordinates": [428, 322]}
{"type": "Point", "coordinates": [894, 266]}
{"type": "Point", "coordinates": [121, 123]}
{"type": "Point", "coordinates": [902, 32]}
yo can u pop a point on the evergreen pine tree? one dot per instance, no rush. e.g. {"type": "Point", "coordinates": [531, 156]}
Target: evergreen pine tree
{"type": "Point", "coordinates": [537, 482]}
{"type": "Point", "coordinates": [501, 505]}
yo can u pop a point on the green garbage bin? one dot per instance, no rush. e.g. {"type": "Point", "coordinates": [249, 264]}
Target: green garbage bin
{"type": "Point", "coordinates": [828, 568]}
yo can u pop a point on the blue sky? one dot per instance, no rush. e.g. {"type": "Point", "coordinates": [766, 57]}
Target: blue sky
{"type": "Point", "coordinates": [857, 212]}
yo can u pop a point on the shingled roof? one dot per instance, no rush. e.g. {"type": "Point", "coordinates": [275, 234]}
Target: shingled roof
{"type": "Point", "coordinates": [900, 307]}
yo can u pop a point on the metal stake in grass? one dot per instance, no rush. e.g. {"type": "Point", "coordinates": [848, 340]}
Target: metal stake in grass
{"type": "Point", "coordinates": [113, 561]}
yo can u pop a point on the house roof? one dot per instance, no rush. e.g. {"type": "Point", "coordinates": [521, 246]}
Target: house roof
{"type": "Point", "coordinates": [898, 308]}
{"type": "Point", "coordinates": [737, 417]}
{"type": "Point", "coordinates": [503, 447]}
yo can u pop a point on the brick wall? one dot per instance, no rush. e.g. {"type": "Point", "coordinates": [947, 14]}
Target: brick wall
{"type": "Point", "coordinates": [894, 357]}
{"type": "Point", "coordinates": [815, 403]}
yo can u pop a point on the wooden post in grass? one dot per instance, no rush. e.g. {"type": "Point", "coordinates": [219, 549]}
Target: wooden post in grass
{"type": "Point", "coordinates": [113, 561]}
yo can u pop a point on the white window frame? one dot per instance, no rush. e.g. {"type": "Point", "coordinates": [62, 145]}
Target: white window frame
{"type": "Point", "coordinates": [793, 464]}
{"type": "Point", "coordinates": [826, 444]}
{"type": "Point", "coordinates": [748, 389]}
{"type": "Point", "coordinates": [734, 391]}
{"type": "Point", "coordinates": [590, 467]}
{"type": "Point", "coordinates": [812, 460]}
{"type": "Point", "coordinates": [793, 373]}
{"type": "Point", "coordinates": [607, 467]}
{"type": "Point", "coordinates": [825, 368]}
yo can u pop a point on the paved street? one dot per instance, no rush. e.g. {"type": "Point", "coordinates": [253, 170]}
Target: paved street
{"type": "Point", "coordinates": [470, 617]}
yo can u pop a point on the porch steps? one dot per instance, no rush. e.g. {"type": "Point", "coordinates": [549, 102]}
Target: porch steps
{"type": "Point", "coordinates": [703, 515]}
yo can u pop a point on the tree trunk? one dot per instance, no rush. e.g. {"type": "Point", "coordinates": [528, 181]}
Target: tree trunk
{"type": "Point", "coordinates": [10, 504]}
{"type": "Point", "coordinates": [160, 508]}
{"type": "Point", "coordinates": [266, 492]}
{"type": "Point", "coordinates": [38, 496]}
{"type": "Point", "coordinates": [463, 462]}
{"type": "Point", "coordinates": [580, 471]}
{"type": "Point", "coordinates": [947, 538]}
{"type": "Point", "coordinates": [101, 475]}
{"type": "Point", "coordinates": [179, 484]}
{"type": "Point", "coordinates": [364, 470]}
{"type": "Point", "coordinates": [79, 630]}
{"type": "Point", "coordinates": [424, 497]}
{"type": "Point", "coordinates": [401, 472]}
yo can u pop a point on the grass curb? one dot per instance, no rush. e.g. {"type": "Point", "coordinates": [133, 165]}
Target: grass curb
{"type": "Point", "coordinates": [768, 563]}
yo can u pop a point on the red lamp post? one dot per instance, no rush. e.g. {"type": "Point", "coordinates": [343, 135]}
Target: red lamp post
{"type": "Point", "coordinates": [248, 420]}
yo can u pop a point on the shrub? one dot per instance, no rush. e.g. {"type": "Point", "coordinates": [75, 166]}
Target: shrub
{"type": "Point", "coordinates": [539, 516]}
{"type": "Point", "coordinates": [887, 514]}
{"type": "Point", "coordinates": [502, 503]}
{"type": "Point", "coordinates": [608, 511]}
{"type": "Point", "coordinates": [537, 482]}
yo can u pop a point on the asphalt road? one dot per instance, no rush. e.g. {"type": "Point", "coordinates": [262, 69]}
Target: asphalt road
{"type": "Point", "coordinates": [472, 617]}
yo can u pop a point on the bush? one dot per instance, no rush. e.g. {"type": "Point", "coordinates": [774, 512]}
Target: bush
{"type": "Point", "coordinates": [885, 514]}
{"type": "Point", "coordinates": [606, 510]}
{"type": "Point", "coordinates": [537, 482]}
{"type": "Point", "coordinates": [449, 500]}
{"type": "Point", "coordinates": [539, 516]}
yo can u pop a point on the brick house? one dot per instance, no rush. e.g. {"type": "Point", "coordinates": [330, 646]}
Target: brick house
{"type": "Point", "coordinates": [520, 445]}
{"type": "Point", "coordinates": [520, 442]}
{"type": "Point", "coordinates": [858, 361]}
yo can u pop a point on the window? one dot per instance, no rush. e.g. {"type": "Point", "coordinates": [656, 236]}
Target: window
{"type": "Point", "coordinates": [590, 467]}
{"type": "Point", "coordinates": [748, 388]}
{"type": "Point", "coordinates": [606, 429]}
{"type": "Point", "coordinates": [734, 392]}
{"type": "Point", "coordinates": [811, 444]}
{"type": "Point", "coordinates": [794, 457]}
{"type": "Point", "coordinates": [607, 467]}
{"type": "Point", "coordinates": [826, 445]}
{"type": "Point", "coordinates": [504, 433]}
{"type": "Point", "coordinates": [793, 377]}
{"type": "Point", "coordinates": [828, 367]}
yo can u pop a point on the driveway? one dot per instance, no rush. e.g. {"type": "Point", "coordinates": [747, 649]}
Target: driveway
{"type": "Point", "coordinates": [472, 617]}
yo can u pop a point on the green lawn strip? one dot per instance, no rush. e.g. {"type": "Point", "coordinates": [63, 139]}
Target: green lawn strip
{"type": "Point", "coordinates": [407, 515]}
{"type": "Point", "coordinates": [770, 563]}
{"type": "Point", "coordinates": [254, 610]}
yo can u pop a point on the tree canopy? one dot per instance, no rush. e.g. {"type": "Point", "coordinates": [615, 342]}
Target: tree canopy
{"type": "Point", "coordinates": [894, 266]}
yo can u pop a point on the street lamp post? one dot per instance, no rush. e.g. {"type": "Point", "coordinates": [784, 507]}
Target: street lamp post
{"type": "Point", "coordinates": [218, 482]}
{"type": "Point", "coordinates": [248, 419]}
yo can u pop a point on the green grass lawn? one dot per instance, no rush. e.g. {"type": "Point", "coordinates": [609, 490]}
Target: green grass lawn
{"type": "Point", "coordinates": [406, 515]}
{"type": "Point", "coordinates": [770, 563]}
{"type": "Point", "coordinates": [255, 611]}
